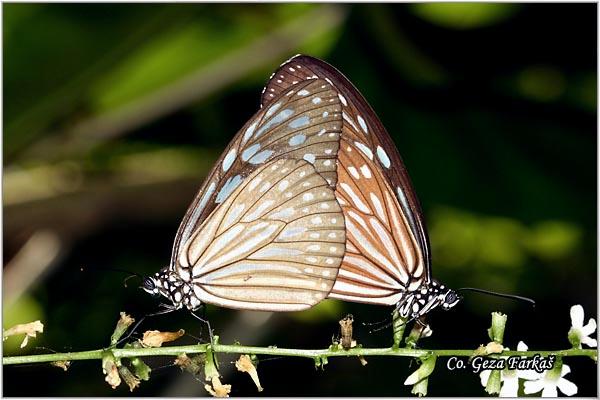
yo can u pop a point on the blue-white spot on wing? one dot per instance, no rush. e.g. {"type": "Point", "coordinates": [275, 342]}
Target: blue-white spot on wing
{"type": "Point", "coordinates": [275, 244]}
{"type": "Point", "coordinates": [293, 126]}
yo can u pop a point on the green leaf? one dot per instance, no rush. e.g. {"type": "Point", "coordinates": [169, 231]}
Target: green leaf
{"type": "Point", "coordinates": [464, 15]}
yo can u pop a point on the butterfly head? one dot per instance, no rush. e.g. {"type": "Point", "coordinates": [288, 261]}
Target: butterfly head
{"type": "Point", "coordinates": [170, 285]}
{"type": "Point", "coordinates": [150, 285]}
{"type": "Point", "coordinates": [451, 298]}
{"type": "Point", "coordinates": [429, 296]}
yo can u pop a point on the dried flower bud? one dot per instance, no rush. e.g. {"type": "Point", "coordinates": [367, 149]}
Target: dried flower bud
{"type": "Point", "coordinates": [490, 348]}
{"type": "Point", "coordinates": [128, 377]}
{"type": "Point", "coordinates": [157, 338]}
{"type": "Point", "coordinates": [193, 365]}
{"type": "Point", "coordinates": [245, 364]}
{"type": "Point", "coordinates": [362, 360]}
{"type": "Point", "coordinates": [30, 330]}
{"type": "Point", "coordinates": [109, 367]}
{"type": "Point", "coordinates": [218, 389]}
{"type": "Point", "coordinates": [64, 365]}
{"type": "Point", "coordinates": [346, 332]}
{"type": "Point", "coordinates": [494, 348]}
{"type": "Point", "coordinates": [122, 325]}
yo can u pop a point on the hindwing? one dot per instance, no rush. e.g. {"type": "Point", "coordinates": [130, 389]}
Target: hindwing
{"type": "Point", "coordinates": [275, 244]}
{"type": "Point", "coordinates": [387, 249]}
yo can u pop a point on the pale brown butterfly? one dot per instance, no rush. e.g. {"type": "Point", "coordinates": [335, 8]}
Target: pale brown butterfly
{"type": "Point", "coordinates": [265, 231]}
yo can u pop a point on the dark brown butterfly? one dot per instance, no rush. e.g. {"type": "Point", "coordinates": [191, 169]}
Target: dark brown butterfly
{"type": "Point", "coordinates": [387, 259]}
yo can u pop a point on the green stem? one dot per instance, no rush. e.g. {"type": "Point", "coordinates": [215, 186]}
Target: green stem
{"type": "Point", "coordinates": [275, 351]}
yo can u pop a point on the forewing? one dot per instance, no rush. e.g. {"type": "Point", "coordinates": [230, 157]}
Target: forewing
{"type": "Point", "coordinates": [303, 122]}
{"type": "Point", "coordinates": [275, 244]}
{"type": "Point", "coordinates": [360, 276]}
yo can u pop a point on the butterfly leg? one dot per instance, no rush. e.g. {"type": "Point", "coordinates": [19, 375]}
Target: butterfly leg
{"type": "Point", "coordinates": [420, 330]}
{"type": "Point", "coordinates": [383, 324]}
{"type": "Point", "coordinates": [382, 327]}
{"type": "Point", "coordinates": [204, 321]}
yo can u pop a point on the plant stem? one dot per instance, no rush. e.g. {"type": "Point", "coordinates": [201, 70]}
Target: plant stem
{"type": "Point", "coordinates": [238, 349]}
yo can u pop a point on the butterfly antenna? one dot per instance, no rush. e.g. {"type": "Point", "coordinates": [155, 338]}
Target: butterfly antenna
{"type": "Point", "coordinates": [128, 278]}
{"type": "Point", "coordinates": [131, 273]}
{"type": "Point", "coordinates": [508, 296]}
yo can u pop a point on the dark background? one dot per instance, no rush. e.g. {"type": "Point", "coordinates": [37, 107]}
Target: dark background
{"type": "Point", "coordinates": [113, 114]}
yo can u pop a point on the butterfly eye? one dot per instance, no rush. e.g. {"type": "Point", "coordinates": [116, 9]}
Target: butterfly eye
{"type": "Point", "coordinates": [149, 285]}
{"type": "Point", "coordinates": [450, 300]}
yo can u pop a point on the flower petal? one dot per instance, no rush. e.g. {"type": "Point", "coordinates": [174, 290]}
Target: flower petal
{"type": "Point", "coordinates": [550, 391]}
{"type": "Point", "coordinates": [577, 316]}
{"type": "Point", "coordinates": [589, 341]}
{"type": "Point", "coordinates": [588, 329]}
{"type": "Point", "coordinates": [484, 376]}
{"type": "Point", "coordinates": [528, 374]}
{"type": "Point", "coordinates": [510, 387]}
{"type": "Point", "coordinates": [522, 346]}
{"type": "Point", "coordinates": [565, 370]}
{"type": "Point", "coordinates": [567, 387]}
{"type": "Point", "coordinates": [531, 387]}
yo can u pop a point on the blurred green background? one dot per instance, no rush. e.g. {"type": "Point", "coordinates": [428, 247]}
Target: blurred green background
{"type": "Point", "coordinates": [114, 113]}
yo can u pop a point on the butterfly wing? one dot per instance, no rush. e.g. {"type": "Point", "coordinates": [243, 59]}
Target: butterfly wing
{"type": "Point", "coordinates": [387, 248]}
{"type": "Point", "coordinates": [275, 244]}
{"type": "Point", "coordinates": [303, 122]}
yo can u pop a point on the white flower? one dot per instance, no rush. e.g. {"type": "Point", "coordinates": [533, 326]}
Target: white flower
{"type": "Point", "coordinates": [579, 333]}
{"type": "Point", "coordinates": [550, 381]}
{"type": "Point", "coordinates": [510, 377]}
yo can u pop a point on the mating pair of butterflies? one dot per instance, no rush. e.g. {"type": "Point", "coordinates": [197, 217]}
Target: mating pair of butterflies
{"type": "Point", "coordinates": [309, 201]}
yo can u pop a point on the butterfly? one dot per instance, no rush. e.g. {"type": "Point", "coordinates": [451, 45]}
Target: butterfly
{"type": "Point", "coordinates": [387, 259]}
{"type": "Point", "coordinates": [265, 231]}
